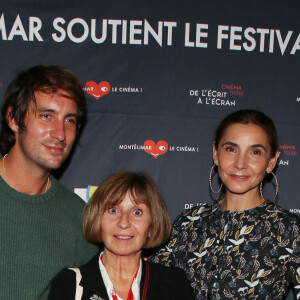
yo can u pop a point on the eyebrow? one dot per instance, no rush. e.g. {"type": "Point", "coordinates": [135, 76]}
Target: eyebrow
{"type": "Point", "coordinates": [259, 146]}
{"type": "Point", "coordinates": [229, 143]}
{"type": "Point", "coordinates": [252, 146]}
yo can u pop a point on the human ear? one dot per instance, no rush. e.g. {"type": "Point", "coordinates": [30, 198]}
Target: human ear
{"type": "Point", "coordinates": [11, 120]}
{"type": "Point", "coordinates": [215, 154]}
{"type": "Point", "coordinates": [272, 162]}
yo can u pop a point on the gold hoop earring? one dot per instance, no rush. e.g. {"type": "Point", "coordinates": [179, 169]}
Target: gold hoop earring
{"type": "Point", "coordinates": [210, 181]}
{"type": "Point", "coordinates": [276, 188]}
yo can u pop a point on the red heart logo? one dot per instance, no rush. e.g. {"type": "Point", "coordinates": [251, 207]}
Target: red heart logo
{"type": "Point", "coordinates": [97, 91]}
{"type": "Point", "coordinates": [157, 149]}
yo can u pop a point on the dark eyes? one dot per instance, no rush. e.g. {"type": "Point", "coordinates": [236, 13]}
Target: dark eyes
{"type": "Point", "coordinates": [48, 117]}
{"type": "Point", "coordinates": [256, 152]}
{"type": "Point", "coordinates": [229, 149]}
{"type": "Point", "coordinates": [135, 212]}
{"type": "Point", "coordinates": [45, 116]}
{"type": "Point", "coordinates": [71, 121]}
{"type": "Point", "coordinates": [232, 149]}
{"type": "Point", "coordinates": [113, 210]}
{"type": "Point", "coordinates": [138, 212]}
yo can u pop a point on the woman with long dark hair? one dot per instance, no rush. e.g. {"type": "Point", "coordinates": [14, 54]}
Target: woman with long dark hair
{"type": "Point", "coordinates": [242, 246]}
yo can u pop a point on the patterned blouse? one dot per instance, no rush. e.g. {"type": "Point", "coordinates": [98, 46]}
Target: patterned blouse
{"type": "Point", "coordinates": [252, 254]}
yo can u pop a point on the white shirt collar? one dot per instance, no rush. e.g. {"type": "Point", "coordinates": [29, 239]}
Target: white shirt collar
{"type": "Point", "coordinates": [109, 286]}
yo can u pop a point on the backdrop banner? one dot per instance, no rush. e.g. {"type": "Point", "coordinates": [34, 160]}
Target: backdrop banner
{"type": "Point", "coordinates": [159, 76]}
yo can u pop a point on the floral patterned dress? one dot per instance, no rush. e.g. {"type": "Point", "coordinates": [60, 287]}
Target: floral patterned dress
{"type": "Point", "coordinates": [252, 254]}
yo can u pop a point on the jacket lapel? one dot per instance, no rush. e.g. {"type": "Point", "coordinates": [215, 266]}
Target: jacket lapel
{"type": "Point", "coordinates": [142, 283]}
{"type": "Point", "coordinates": [92, 281]}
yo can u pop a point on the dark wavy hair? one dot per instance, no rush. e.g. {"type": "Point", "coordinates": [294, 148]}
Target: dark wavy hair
{"type": "Point", "coordinates": [19, 94]}
{"type": "Point", "coordinates": [249, 116]}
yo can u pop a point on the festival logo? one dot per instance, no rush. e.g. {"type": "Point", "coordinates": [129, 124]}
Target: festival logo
{"type": "Point", "coordinates": [159, 148]}
{"type": "Point", "coordinates": [86, 193]}
{"type": "Point", "coordinates": [226, 95]}
{"type": "Point", "coordinates": [286, 153]}
{"type": "Point", "coordinates": [104, 88]}
{"type": "Point", "coordinates": [234, 89]}
{"type": "Point", "coordinates": [156, 149]}
{"type": "Point", "coordinates": [90, 191]}
{"type": "Point", "coordinates": [97, 90]}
